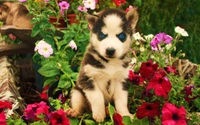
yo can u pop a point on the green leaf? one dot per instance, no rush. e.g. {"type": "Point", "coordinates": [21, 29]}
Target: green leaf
{"type": "Point", "coordinates": [89, 122]}
{"type": "Point", "coordinates": [111, 110]}
{"type": "Point", "coordinates": [74, 121]}
{"type": "Point", "coordinates": [49, 70]}
{"type": "Point", "coordinates": [143, 121]}
{"type": "Point", "coordinates": [64, 82]}
{"type": "Point", "coordinates": [126, 120]}
{"type": "Point", "coordinates": [65, 68]}
{"type": "Point", "coordinates": [50, 81]}
{"type": "Point", "coordinates": [55, 103]}
{"type": "Point", "coordinates": [35, 30]}
{"type": "Point", "coordinates": [197, 102]}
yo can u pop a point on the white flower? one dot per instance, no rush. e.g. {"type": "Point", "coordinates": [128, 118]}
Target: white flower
{"type": "Point", "coordinates": [44, 49]}
{"type": "Point", "coordinates": [149, 37]}
{"type": "Point", "coordinates": [142, 49]}
{"type": "Point", "coordinates": [168, 46]}
{"type": "Point", "coordinates": [89, 4]}
{"type": "Point", "coordinates": [72, 44]}
{"type": "Point", "coordinates": [181, 31]}
{"type": "Point", "coordinates": [137, 36]}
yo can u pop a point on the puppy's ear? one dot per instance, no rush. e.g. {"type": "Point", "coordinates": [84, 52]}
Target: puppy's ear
{"type": "Point", "coordinates": [91, 19]}
{"type": "Point", "coordinates": [132, 17]}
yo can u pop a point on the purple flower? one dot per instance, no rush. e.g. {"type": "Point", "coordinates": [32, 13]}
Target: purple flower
{"type": "Point", "coordinates": [154, 43]}
{"type": "Point", "coordinates": [82, 9]}
{"type": "Point", "coordinates": [64, 5]}
{"type": "Point", "coordinates": [160, 38]}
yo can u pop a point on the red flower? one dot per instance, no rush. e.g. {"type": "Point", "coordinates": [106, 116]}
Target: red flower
{"type": "Point", "coordinates": [33, 110]}
{"type": "Point", "coordinates": [171, 69]}
{"type": "Point", "coordinates": [148, 109]}
{"type": "Point", "coordinates": [59, 118]}
{"type": "Point", "coordinates": [62, 98]}
{"type": "Point", "coordinates": [44, 94]}
{"type": "Point", "coordinates": [5, 104]}
{"type": "Point", "coordinates": [188, 92]}
{"type": "Point", "coordinates": [117, 119]}
{"type": "Point", "coordinates": [134, 78]}
{"type": "Point", "coordinates": [2, 118]}
{"type": "Point", "coordinates": [161, 71]}
{"type": "Point", "coordinates": [119, 2]}
{"type": "Point", "coordinates": [147, 69]}
{"type": "Point", "coordinates": [171, 115]}
{"type": "Point", "coordinates": [161, 85]}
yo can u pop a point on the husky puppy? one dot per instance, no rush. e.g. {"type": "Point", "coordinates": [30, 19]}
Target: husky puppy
{"type": "Point", "coordinates": [104, 69]}
{"type": "Point", "coordinates": [13, 13]}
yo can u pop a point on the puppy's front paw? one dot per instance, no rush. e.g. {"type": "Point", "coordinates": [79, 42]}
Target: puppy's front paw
{"type": "Point", "coordinates": [99, 116]}
{"type": "Point", "coordinates": [72, 112]}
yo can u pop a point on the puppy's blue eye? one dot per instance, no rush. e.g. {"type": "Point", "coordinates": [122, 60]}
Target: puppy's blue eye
{"type": "Point", "coordinates": [101, 36]}
{"type": "Point", "coordinates": [122, 37]}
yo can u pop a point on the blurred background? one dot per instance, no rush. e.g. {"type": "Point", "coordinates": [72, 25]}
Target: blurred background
{"type": "Point", "coordinates": [164, 15]}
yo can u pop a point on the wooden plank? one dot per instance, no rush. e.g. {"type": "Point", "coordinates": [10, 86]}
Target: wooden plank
{"type": "Point", "coordinates": [15, 49]}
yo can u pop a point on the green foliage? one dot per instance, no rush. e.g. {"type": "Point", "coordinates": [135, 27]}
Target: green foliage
{"type": "Point", "coordinates": [161, 16]}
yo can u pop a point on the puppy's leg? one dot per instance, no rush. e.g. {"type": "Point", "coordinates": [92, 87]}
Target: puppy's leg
{"type": "Point", "coordinates": [78, 103]}
{"type": "Point", "coordinates": [96, 99]}
{"type": "Point", "coordinates": [121, 100]}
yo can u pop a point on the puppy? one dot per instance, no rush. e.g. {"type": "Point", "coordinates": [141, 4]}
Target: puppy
{"type": "Point", "coordinates": [16, 14]}
{"type": "Point", "coordinates": [104, 69]}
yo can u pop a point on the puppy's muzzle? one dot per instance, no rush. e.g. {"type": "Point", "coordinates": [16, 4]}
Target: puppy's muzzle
{"type": "Point", "coordinates": [110, 52]}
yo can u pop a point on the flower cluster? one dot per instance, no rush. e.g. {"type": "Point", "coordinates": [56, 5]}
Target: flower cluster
{"type": "Point", "coordinates": [38, 111]}
{"type": "Point", "coordinates": [160, 94]}
{"type": "Point", "coordinates": [156, 79]}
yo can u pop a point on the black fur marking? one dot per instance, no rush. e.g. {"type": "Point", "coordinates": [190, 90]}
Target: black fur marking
{"type": "Point", "coordinates": [92, 61]}
{"type": "Point", "coordinates": [95, 52]}
{"type": "Point", "coordinates": [79, 89]}
{"type": "Point", "coordinates": [86, 82]}
{"type": "Point", "coordinates": [108, 86]}
{"type": "Point", "coordinates": [126, 26]}
{"type": "Point", "coordinates": [123, 56]}
{"type": "Point", "coordinates": [125, 84]}
{"type": "Point", "coordinates": [126, 64]}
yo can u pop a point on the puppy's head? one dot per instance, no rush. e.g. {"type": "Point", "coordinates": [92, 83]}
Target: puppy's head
{"type": "Point", "coordinates": [111, 31]}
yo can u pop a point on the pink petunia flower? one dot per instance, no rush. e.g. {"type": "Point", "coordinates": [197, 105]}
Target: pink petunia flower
{"type": "Point", "coordinates": [82, 9]}
{"type": "Point", "coordinates": [44, 49]}
{"type": "Point", "coordinates": [64, 5]}
{"type": "Point", "coordinates": [161, 85]}
{"type": "Point", "coordinates": [33, 110]}
{"type": "Point", "coordinates": [22, 0]}
{"type": "Point", "coordinates": [72, 44]}
{"type": "Point", "coordinates": [160, 38]}
{"type": "Point", "coordinates": [171, 115]}
{"type": "Point", "coordinates": [91, 4]}
{"type": "Point", "coordinates": [12, 37]}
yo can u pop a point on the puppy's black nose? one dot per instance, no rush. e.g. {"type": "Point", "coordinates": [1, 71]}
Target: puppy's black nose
{"type": "Point", "coordinates": [110, 51]}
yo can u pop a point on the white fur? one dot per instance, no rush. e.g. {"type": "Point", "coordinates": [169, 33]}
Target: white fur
{"type": "Point", "coordinates": [112, 28]}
